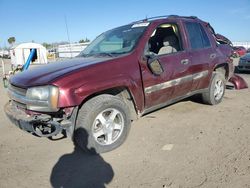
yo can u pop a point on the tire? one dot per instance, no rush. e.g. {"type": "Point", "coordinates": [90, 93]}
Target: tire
{"type": "Point", "coordinates": [216, 89]}
{"type": "Point", "coordinates": [103, 124]}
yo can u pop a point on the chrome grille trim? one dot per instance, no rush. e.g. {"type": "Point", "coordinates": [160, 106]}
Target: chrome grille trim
{"type": "Point", "coordinates": [19, 95]}
{"type": "Point", "coordinates": [17, 90]}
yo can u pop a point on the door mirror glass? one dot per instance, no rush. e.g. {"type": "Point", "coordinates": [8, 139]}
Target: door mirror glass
{"type": "Point", "coordinates": [155, 67]}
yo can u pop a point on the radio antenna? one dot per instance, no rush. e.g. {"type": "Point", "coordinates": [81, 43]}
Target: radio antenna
{"type": "Point", "coordinates": [66, 24]}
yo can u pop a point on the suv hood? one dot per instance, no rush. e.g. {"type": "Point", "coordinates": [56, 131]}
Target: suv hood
{"type": "Point", "coordinates": [44, 74]}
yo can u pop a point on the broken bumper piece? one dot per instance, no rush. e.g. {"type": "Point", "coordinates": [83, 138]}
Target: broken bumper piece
{"type": "Point", "coordinates": [238, 82]}
{"type": "Point", "coordinates": [40, 125]}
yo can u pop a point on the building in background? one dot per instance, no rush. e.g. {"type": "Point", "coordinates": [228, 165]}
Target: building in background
{"type": "Point", "coordinates": [71, 50]}
{"type": "Point", "coordinates": [244, 44]}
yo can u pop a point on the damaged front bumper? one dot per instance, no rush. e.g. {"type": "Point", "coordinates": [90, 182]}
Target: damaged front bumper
{"type": "Point", "coordinates": [42, 125]}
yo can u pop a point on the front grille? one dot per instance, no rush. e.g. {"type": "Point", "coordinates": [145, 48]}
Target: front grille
{"type": "Point", "coordinates": [244, 67]}
{"type": "Point", "coordinates": [17, 95]}
{"type": "Point", "coordinates": [17, 90]}
{"type": "Point", "coordinates": [247, 67]}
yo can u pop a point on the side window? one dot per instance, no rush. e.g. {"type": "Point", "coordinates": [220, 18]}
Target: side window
{"type": "Point", "coordinates": [197, 36]}
{"type": "Point", "coordinates": [164, 40]}
{"type": "Point", "coordinates": [205, 39]}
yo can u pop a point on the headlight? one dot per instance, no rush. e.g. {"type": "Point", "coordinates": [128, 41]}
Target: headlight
{"type": "Point", "coordinates": [43, 98]}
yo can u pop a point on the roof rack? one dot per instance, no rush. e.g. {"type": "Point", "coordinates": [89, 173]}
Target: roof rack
{"type": "Point", "coordinates": [166, 16]}
{"type": "Point", "coordinates": [192, 17]}
{"type": "Point", "coordinates": [151, 18]}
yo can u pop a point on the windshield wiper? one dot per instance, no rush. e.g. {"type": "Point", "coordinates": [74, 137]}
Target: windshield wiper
{"type": "Point", "coordinates": [104, 54]}
{"type": "Point", "coordinates": [84, 55]}
{"type": "Point", "coordinates": [110, 54]}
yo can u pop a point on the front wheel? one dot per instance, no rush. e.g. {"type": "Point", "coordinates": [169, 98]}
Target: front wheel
{"type": "Point", "coordinates": [216, 89]}
{"type": "Point", "coordinates": [102, 124]}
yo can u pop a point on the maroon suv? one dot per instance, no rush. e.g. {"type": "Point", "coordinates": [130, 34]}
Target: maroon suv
{"type": "Point", "coordinates": [123, 74]}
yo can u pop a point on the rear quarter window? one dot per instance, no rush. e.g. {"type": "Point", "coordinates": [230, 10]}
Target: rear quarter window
{"type": "Point", "coordinates": [197, 35]}
{"type": "Point", "coordinates": [205, 39]}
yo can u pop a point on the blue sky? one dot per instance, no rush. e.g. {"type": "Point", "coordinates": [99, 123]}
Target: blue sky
{"type": "Point", "coordinates": [43, 21]}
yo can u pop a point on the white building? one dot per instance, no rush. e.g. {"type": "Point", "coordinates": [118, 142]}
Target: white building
{"type": "Point", "coordinates": [71, 50]}
{"type": "Point", "coordinates": [20, 53]}
{"type": "Point", "coordinates": [245, 44]}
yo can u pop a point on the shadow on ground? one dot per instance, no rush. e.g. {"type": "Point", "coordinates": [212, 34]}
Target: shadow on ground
{"type": "Point", "coordinates": [81, 169]}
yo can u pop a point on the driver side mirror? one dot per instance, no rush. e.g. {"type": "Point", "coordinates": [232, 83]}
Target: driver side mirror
{"type": "Point", "coordinates": [152, 61]}
{"type": "Point", "coordinates": [155, 65]}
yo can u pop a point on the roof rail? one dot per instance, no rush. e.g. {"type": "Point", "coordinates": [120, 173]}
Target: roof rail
{"type": "Point", "coordinates": [165, 16]}
{"type": "Point", "coordinates": [151, 18]}
{"type": "Point", "coordinates": [192, 17]}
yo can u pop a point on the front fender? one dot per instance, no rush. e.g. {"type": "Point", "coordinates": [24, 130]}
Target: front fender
{"type": "Point", "coordinates": [78, 95]}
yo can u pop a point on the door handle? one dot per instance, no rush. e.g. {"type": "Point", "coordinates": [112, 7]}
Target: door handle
{"type": "Point", "coordinates": [184, 61]}
{"type": "Point", "coordinates": [212, 56]}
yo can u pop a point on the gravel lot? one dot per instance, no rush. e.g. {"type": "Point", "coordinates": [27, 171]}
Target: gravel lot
{"type": "Point", "coordinates": [187, 144]}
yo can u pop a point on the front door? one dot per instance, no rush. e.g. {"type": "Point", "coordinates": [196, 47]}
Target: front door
{"type": "Point", "coordinates": [166, 67]}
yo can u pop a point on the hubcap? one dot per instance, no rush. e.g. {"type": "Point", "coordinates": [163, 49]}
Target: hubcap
{"type": "Point", "coordinates": [218, 90]}
{"type": "Point", "coordinates": [108, 126]}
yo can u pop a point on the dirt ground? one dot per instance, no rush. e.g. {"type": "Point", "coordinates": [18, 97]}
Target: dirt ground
{"type": "Point", "coordinates": [187, 144]}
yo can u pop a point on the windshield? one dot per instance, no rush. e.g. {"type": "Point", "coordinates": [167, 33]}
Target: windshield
{"type": "Point", "coordinates": [117, 41]}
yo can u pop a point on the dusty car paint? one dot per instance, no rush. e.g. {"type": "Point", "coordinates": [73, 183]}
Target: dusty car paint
{"type": "Point", "coordinates": [185, 72]}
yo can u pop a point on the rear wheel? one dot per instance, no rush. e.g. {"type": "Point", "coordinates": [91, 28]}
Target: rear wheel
{"type": "Point", "coordinates": [216, 89]}
{"type": "Point", "coordinates": [102, 124]}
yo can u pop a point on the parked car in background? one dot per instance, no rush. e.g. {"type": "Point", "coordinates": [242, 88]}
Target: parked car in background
{"type": "Point", "coordinates": [4, 54]}
{"type": "Point", "coordinates": [239, 51]}
{"type": "Point", "coordinates": [248, 50]}
{"type": "Point", "coordinates": [244, 63]}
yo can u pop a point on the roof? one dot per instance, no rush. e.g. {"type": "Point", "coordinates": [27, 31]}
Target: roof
{"type": "Point", "coordinates": [29, 45]}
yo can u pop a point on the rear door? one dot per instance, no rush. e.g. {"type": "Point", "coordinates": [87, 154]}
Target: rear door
{"type": "Point", "coordinates": [202, 53]}
{"type": "Point", "coordinates": [165, 76]}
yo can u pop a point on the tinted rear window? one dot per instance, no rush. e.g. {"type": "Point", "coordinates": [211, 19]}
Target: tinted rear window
{"type": "Point", "coordinates": [197, 36]}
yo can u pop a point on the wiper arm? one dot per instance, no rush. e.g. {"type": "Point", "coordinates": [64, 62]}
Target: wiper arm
{"type": "Point", "coordinates": [84, 55]}
{"type": "Point", "coordinates": [104, 54]}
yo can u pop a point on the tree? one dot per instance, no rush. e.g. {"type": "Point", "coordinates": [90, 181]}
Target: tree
{"type": "Point", "coordinates": [84, 40]}
{"type": "Point", "coordinates": [81, 41]}
{"type": "Point", "coordinates": [11, 40]}
{"type": "Point", "coordinates": [46, 45]}
{"type": "Point", "coordinates": [87, 40]}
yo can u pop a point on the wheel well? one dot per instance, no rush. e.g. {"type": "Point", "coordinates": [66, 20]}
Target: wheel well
{"type": "Point", "coordinates": [223, 68]}
{"type": "Point", "coordinates": [121, 92]}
